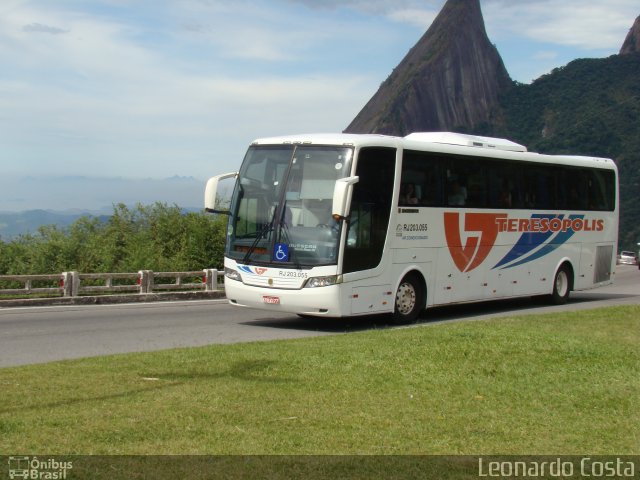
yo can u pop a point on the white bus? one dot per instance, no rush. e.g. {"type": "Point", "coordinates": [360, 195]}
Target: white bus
{"type": "Point", "coordinates": [346, 225]}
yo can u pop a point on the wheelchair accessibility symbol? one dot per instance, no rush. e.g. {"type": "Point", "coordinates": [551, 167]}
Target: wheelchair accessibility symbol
{"type": "Point", "coordinates": [281, 252]}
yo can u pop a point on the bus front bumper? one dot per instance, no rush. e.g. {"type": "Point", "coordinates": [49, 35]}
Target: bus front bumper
{"type": "Point", "coordinates": [321, 301]}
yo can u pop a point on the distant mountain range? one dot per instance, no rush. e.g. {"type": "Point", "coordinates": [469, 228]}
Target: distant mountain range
{"type": "Point", "coordinates": [20, 193]}
{"type": "Point", "coordinates": [454, 79]}
{"type": "Point", "coordinates": [13, 224]}
{"type": "Point", "coordinates": [70, 197]}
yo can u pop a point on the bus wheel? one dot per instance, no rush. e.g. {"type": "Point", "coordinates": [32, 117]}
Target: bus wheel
{"type": "Point", "coordinates": [561, 286]}
{"type": "Point", "coordinates": [410, 300]}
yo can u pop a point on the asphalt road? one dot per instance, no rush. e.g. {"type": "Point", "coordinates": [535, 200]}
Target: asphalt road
{"type": "Point", "coordinates": [42, 334]}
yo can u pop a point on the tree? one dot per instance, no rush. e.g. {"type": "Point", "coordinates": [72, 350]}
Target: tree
{"type": "Point", "coordinates": [155, 237]}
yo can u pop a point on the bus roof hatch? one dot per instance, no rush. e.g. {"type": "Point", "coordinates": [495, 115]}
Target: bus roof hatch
{"type": "Point", "coordinates": [451, 138]}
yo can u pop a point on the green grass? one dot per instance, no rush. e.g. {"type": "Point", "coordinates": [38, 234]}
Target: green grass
{"type": "Point", "coordinates": [557, 384]}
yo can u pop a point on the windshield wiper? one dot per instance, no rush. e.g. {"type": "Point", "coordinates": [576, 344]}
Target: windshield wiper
{"type": "Point", "coordinates": [268, 227]}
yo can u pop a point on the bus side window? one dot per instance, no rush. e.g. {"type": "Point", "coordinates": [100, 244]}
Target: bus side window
{"type": "Point", "coordinates": [412, 179]}
{"type": "Point", "coordinates": [601, 190]}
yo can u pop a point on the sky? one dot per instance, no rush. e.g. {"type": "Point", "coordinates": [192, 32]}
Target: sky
{"type": "Point", "coordinates": [162, 88]}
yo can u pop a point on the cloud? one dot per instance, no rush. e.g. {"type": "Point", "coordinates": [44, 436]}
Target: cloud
{"type": "Point", "coordinates": [414, 16]}
{"type": "Point", "coordinates": [594, 25]}
{"type": "Point", "coordinates": [418, 13]}
{"type": "Point", "coordinates": [143, 99]}
{"type": "Point", "coordinates": [158, 88]}
{"type": "Point", "coordinates": [368, 6]}
{"type": "Point", "coordinates": [249, 41]}
{"type": "Point", "coordinates": [39, 28]}
{"type": "Point", "coordinates": [545, 55]}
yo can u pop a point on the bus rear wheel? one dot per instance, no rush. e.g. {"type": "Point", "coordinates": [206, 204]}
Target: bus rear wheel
{"type": "Point", "coordinates": [561, 286]}
{"type": "Point", "coordinates": [410, 300]}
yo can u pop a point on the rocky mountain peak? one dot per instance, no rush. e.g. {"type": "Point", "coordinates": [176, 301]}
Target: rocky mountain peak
{"type": "Point", "coordinates": [451, 78]}
{"type": "Point", "coordinates": [632, 42]}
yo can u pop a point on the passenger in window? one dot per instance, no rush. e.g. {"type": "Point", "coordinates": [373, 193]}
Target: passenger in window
{"type": "Point", "coordinates": [530, 199]}
{"type": "Point", "coordinates": [408, 195]}
{"type": "Point", "coordinates": [505, 195]}
{"type": "Point", "coordinates": [574, 202]}
{"type": "Point", "coordinates": [457, 194]}
{"type": "Point", "coordinates": [427, 196]}
{"type": "Point", "coordinates": [475, 197]}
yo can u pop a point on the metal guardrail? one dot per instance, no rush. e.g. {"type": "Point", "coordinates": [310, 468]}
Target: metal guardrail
{"type": "Point", "coordinates": [74, 284]}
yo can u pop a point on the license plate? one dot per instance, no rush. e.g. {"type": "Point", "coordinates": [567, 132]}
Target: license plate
{"type": "Point", "coordinates": [271, 300]}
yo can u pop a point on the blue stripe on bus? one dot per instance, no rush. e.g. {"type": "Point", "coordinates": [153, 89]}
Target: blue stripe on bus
{"type": "Point", "coordinates": [531, 240]}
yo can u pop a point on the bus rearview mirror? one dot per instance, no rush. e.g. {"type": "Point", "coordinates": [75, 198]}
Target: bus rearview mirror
{"type": "Point", "coordinates": [211, 192]}
{"type": "Point", "coordinates": [342, 197]}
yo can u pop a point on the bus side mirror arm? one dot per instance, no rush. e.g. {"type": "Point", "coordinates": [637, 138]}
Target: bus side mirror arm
{"type": "Point", "coordinates": [211, 192]}
{"type": "Point", "coordinates": [342, 197]}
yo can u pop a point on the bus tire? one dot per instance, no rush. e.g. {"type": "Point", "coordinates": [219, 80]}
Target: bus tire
{"type": "Point", "coordinates": [410, 300]}
{"type": "Point", "coordinates": [562, 283]}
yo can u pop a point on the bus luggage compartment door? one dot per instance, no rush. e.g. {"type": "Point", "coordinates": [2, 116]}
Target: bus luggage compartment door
{"type": "Point", "coordinates": [373, 299]}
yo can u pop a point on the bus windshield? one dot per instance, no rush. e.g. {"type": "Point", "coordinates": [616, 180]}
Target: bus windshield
{"type": "Point", "coordinates": [281, 207]}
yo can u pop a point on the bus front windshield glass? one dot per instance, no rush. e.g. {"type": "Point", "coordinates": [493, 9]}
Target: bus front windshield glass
{"type": "Point", "coordinates": [281, 208]}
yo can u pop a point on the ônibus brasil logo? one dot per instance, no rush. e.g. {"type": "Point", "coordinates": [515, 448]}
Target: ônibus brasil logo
{"type": "Point", "coordinates": [541, 235]}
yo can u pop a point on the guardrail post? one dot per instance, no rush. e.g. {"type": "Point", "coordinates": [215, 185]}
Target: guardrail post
{"type": "Point", "coordinates": [211, 279]}
{"type": "Point", "coordinates": [145, 281]}
{"type": "Point", "coordinates": [70, 284]}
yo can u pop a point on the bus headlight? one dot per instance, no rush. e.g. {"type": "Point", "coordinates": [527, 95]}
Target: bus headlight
{"type": "Point", "coordinates": [315, 282]}
{"type": "Point", "coordinates": [232, 274]}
